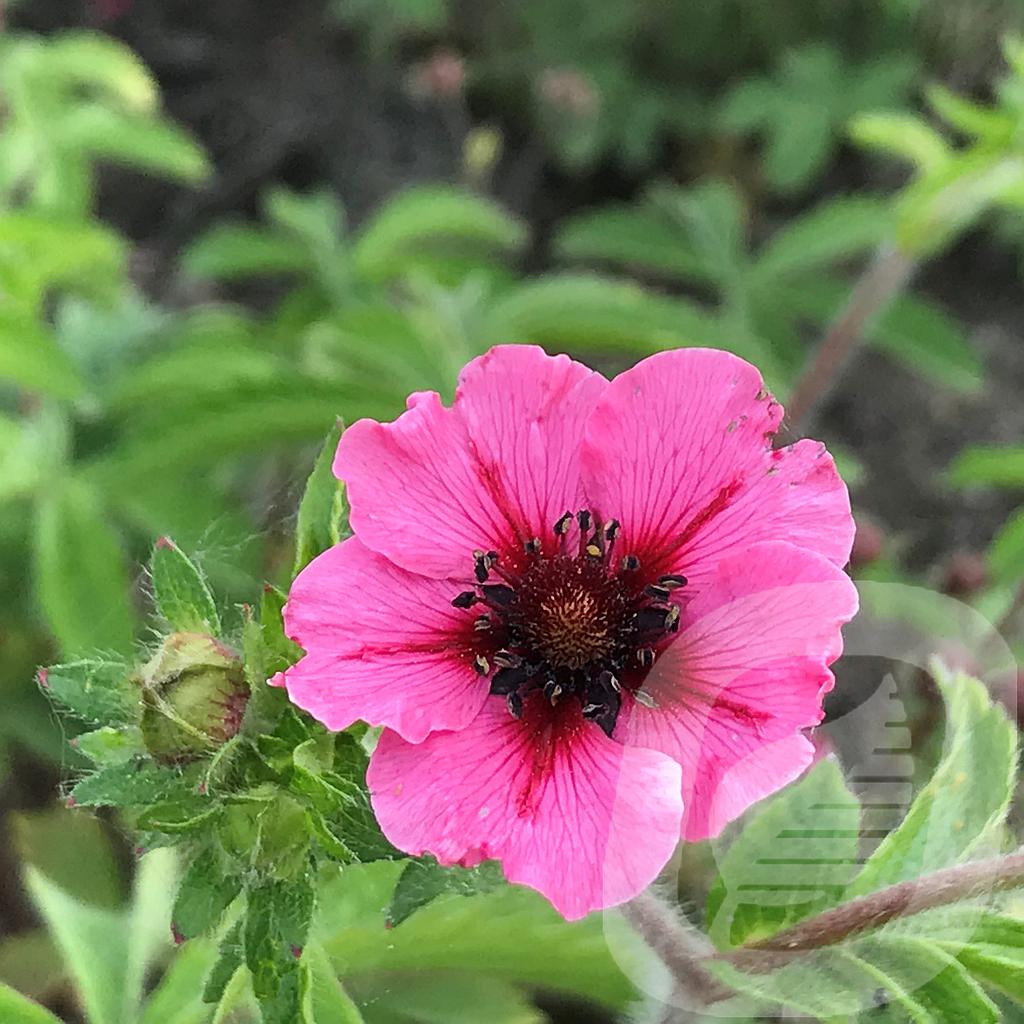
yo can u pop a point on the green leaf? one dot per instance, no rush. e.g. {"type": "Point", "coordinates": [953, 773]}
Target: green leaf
{"type": "Point", "coordinates": [206, 891]}
{"type": "Point", "coordinates": [1006, 553]}
{"type": "Point", "coordinates": [81, 581]}
{"type": "Point", "coordinates": [423, 881]}
{"type": "Point", "coordinates": [102, 63]}
{"type": "Point", "coordinates": [902, 135]}
{"type": "Point", "coordinates": [229, 959]}
{"type": "Point", "coordinates": [329, 1003]}
{"type": "Point", "coordinates": [795, 856]}
{"type": "Point", "coordinates": [511, 934]}
{"type": "Point", "coordinates": [800, 143]}
{"type": "Point", "coordinates": [277, 922]}
{"type": "Point", "coordinates": [93, 944]}
{"type": "Point", "coordinates": [16, 1009]}
{"type": "Point", "coordinates": [833, 231]}
{"type": "Point", "coordinates": [97, 691]}
{"type": "Point", "coordinates": [323, 511]}
{"type": "Point", "coordinates": [398, 235]}
{"type": "Point", "coordinates": [913, 979]}
{"type": "Point", "coordinates": [589, 312]}
{"type": "Point", "coordinates": [231, 252]}
{"type": "Point", "coordinates": [30, 357]}
{"type": "Point", "coordinates": [960, 812]}
{"type": "Point", "coordinates": [177, 999]}
{"type": "Point", "coordinates": [156, 146]}
{"type": "Point", "coordinates": [108, 745]}
{"type": "Point", "coordinates": [629, 236]}
{"type": "Point", "coordinates": [181, 592]}
{"type": "Point", "coordinates": [133, 784]}
{"type": "Point", "coordinates": [930, 342]}
{"type": "Point", "coordinates": [989, 466]}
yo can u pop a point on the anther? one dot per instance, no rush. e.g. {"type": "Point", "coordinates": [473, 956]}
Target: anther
{"type": "Point", "coordinates": [552, 691]}
{"type": "Point", "coordinates": [658, 593]}
{"type": "Point", "coordinates": [672, 619]}
{"type": "Point", "coordinates": [482, 665]}
{"type": "Point", "coordinates": [630, 563]}
{"type": "Point", "coordinates": [465, 600]}
{"type": "Point", "coordinates": [645, 656]}
{"type": "Point", "coordinates": [652, 620]}
{"type": "Point", "coordinates": [606, 679]}
{"type": "Point", "coordinates": [594, 551]}
{"type": "Point", "coordinates": [480, 566]}
{"type": "Point", "coordinates": [498, 594]}
{"type": "Point", "coordinates": [482, 624]}
{"type": "Point", "coordinates": [562, 526]}
{"type": "Point", "coordinates": [673, 582]}
{"type": "Point", "coordinates": [514, 702]}
{"type": "Point", "coordinates": [532, 547]}
{"type": "Point", "coordinates": [506, 659]}
{"type": "Point", "coordinates": [612, 529]}
{"type": "Point", "coordinates": [583, 518]}
{"type": "Point", "coordinates": [644, 698]}
{"type": "Point", "coordinates": [592, 710]}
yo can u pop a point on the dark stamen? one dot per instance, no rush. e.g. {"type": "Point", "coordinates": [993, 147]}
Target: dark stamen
{"type": "Point", "coordinates": [645, 656]}
{"type": "Point", "coordinates": [583, 518]}
{"type": "Point", "coordinates": [562, 526]}
{"type": "Point", "coordinates": [498, 594]}
{"type": "Point", "coordinates": [630, 563]}
{"type": "Point", "coordinates": [612, 529]}
{"type": "Point", "coordinates": [482, 624]}
{"type": "Point", "coordinates": [482, 665]}
{"type": "Point", "coordinates": [652, 620]}
{"type": "Point", "coordinates": [515, 705]}
{"type": "Point", "coordinates": [532, 547]}
{"type": "Point", "coordinates": [658, 593]}
{"type": "Point", "coordinates": [506, 659]}
{"type": "Point", "coordinates": [465, 600]}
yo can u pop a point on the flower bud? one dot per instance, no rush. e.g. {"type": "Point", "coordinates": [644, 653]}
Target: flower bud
{"type": "Point", "coordinates": [194, 696]}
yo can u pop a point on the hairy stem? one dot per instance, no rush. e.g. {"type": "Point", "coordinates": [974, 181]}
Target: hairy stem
{"type": "Point", "coordinates": [883, 279]}
{"type": "Point", "coordinates": [951, 885]}
{"type": "Point", "coordinates": [679, 946]}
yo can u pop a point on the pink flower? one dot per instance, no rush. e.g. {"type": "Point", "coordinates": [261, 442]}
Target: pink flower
{"type": "Point", "coordinates": [594, 617]}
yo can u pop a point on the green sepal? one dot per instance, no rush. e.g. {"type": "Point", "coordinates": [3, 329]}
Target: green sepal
{"type": "Point", "coordinates": [323, 511]}
{"type": "Point", "coordinates": [102, 692]}
{"type": "Point", "coordinates": [181, 592]}
{"type": "Point", "coordinates": [108, 745]}
{"type": "Point", "coordinates": [206, 891]}
{"type": "Point", "coordinates": [425, 880]}
{"type": "Point", "coordinates": [133, 783]}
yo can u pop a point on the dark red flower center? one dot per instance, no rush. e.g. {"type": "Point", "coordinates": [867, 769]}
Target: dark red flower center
{"type": "Point", "coordinates": [575, 624]}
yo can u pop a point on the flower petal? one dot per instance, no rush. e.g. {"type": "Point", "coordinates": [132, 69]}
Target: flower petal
{"type": "Point", "coordinates": [568, 812]}
{"type": "Point", "coordinates": [748, 669]}
{"type": "Point", "coordinates": [679, 450]}
{"type": "Point", "coordinates": [494, 470]}
{"type": "Point", "coordinates": [382, 645]}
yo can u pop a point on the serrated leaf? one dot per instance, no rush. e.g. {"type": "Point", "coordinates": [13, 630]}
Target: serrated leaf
{"type": "Point", "coordinates": [108, 745]}
{"type": "Point", "coordinates": [229, 958]}
{"type": "Point", "coordinates": [587, 312]}
{"type": "Point", "coordinates": [281, 651]}
{"type": "Point", "coordinates": [133, 784]}
{"type": "Point", "coordinates": [833, 231]}
{"type": "Point", "coordinates": [181, 592]}
{"type": "Point", "coordinates": [231, 252]}
{"type": "Point", "coordinates": [629, 236]}
{"type": "Point", "coordinates": [205, 892]}
{"type": "Point", "coordinates": [96, 691]}
{"type": "Point", "coordinates": [277, 922]}
{"type": "Point", "coordinates": [431, 215]}
{"type": "Point", "coordinates": [423, 881]}
{"type": "Point", "coordinates": [81, 581]}
{"type": "Point", "coordinates": [960, 812]}
{"type": "Point", "coordinates": [329, 1003]}
{"type": "Point", "coordinates": [989, 466]}
{"type": "Point", "coordinates": [794, 857]}
{"type": "Point", "coordinates": [323, 511]}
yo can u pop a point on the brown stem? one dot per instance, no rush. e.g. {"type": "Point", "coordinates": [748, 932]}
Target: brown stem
{"type": "Point", "coordinates": [951, 885]}
{"type": "Point", "coordinates": [680, 947]}
{"type": "Point", "coordinates": [883, 279]}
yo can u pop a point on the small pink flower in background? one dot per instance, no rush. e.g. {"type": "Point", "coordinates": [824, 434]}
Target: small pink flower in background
{"type": "Point", "coordinates": [594, 617]}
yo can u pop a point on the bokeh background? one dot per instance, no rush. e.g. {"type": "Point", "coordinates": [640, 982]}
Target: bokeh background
{"type": "Point", "coordinates": [223, 224]}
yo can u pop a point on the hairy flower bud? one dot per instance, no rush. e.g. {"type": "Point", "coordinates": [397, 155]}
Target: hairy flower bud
{"type": "Point", "coordinates": [194, 696]}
